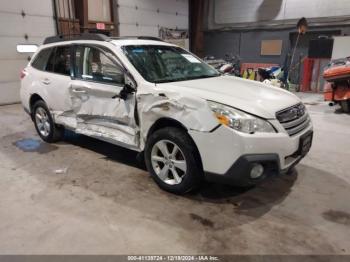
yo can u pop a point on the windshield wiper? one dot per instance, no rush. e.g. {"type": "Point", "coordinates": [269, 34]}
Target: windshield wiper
{"type": "Point", "coordinates": [169, 80]}
{"type": "Point", "coordinates": [202, 76]}
{"type": "Point", "coordinates": [184, 78]}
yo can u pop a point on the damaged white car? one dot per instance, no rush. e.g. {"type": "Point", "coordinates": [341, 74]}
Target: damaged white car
{"type": "Point", "coordinates": [189, 121]}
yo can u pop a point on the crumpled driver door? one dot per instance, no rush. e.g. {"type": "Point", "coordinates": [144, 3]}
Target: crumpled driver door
{"type": "Point", "coordinates": [100, 109]}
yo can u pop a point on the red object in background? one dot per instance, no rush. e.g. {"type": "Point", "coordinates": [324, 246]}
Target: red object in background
{"type": "Point", "coordinates": [342, 92]}
{"type": "Point", "coordinates": [337, 73]}
{"type": "Point", "coordinates": [312, 76]}
{"type": "Point", "coordinates": [307, 74]}
{"type": "Point", "coordinates": [101, 26]}
{"type": "Point", "coordinates": [328, 92]}
{"type": "Point", "coordinates": [339, 92]}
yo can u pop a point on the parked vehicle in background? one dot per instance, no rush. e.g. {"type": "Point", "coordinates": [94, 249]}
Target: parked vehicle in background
{"type": "Point", "coordinates": [271, 76]}
{"type": "Point", "coordinates": [189, 121]}
{"type": "Point", "coordinates": [230, 65]}
{"type": "Point", "coordinates": [337, 74]}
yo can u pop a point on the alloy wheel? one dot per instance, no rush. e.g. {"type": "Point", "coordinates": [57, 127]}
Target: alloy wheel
{"type": "Point", "coordinates": [168, 162]}
{"type": "Point", "coordinates": [42, 121]}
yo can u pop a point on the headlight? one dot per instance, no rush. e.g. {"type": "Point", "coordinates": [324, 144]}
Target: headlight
{"type": "Point", "coordinates": [239, 120]}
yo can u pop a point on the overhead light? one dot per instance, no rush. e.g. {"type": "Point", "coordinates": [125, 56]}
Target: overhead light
{"type": "Point", "coordinates": [27, 48]}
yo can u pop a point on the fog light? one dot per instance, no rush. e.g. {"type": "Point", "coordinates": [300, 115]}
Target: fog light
{"type": "Point", "coordinates": [256, 171]}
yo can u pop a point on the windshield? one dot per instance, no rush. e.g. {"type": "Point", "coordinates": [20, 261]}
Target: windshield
{"type": "Point", "coordinates": [161, 64]}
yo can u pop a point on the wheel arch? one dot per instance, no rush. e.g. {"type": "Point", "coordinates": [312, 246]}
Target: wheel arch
{"type": "Point", "coordinates": [165, 122]}
{"type": "Point", "coordinates": [170, 122]}
{"type": "Point", "coordinates": [33, 99]}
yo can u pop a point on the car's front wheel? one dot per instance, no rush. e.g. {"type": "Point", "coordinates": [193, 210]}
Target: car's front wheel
{"type": "Point", "coordinates": [44, 125]}
{"type": "Point", "coordinates": [172, 159]}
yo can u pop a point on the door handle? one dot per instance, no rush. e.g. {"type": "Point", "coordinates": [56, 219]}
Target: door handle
{"type": "Point", "coordinates": [46, 81]}
{"type": "Point", "coordinates": [80, 88]}
{"type": "Point", "coordinates": [79, 91]}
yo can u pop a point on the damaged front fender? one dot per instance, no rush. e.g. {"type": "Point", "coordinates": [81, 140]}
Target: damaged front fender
{"type": "Point", "coordinates": [193, 113]}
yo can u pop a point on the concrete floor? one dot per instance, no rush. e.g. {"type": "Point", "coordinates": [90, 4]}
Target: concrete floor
{"type": "Point", "coordinates": [82, 196]}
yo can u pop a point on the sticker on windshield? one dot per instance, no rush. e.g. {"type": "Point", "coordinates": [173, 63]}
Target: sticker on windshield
{"type": "Point", "coordinates": [138, 50]}
{"type": "Point", "coordinates": [191, 58]}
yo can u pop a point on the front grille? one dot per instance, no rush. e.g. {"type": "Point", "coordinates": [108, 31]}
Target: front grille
{"type": "Point", "coordinates": [294, 119]}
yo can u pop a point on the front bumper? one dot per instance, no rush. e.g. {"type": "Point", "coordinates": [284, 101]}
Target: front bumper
{"type": "Point", "coordinates": [239, 172]}
{"type": "Point", "coordinates": [227, 156]}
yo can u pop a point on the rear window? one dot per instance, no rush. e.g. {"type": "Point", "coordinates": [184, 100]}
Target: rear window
{"type": "Point", "coordinates": [55, 60]}
{"type": "Point", "coordinates": [41, 59]}
{"type": "Point", "coordinates": [61, 61]}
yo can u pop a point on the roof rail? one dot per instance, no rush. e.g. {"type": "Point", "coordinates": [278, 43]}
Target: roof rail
{"type": "Point", "coordinates": [84, 36]}
{"type": "Point", "coordinates": [137, 37]}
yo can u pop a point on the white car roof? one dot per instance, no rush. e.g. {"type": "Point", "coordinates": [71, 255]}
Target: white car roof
{"type": "Point", "coordinates": [115, 42]}
{"type": "Point", "coordinates": [124, 42]}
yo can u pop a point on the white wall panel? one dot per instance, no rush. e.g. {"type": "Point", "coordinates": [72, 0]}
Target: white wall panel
{"type": "Point", "coordinates": [145, 17]}
{"type": "Point", "coordinates": [8, 52]}
{"type": "Point", "coordinates": [36, 23]}
{"type": "Point", "coordinates": [15, 25]}
{"type": "Point", "coordinates": [10, 69]}
{"type": "Point", "coordinates": [131, 30]}
{"type": "Point", "coordinates": [341, 47]}
{"type": "Point", "coordinates": [252, 11]}
{"type": "Point", "coordinates": [171, 6]}
{"type": "Point", "coordinates": [30, 7]}
{"type": "Point", "coordinates": [9, 92]}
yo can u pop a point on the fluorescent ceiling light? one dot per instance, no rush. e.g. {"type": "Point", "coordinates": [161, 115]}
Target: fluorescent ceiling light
{"type": "Point", "coordinates": [27, 48]}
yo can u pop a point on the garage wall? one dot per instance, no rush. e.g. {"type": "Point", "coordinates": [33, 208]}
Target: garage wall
{"type": "Point", "coordinates": [145, 17]}
{"type": "Point", "coordinates": [247, 44]}
{"type": "Point", "coordinates": [237, 13]}
{"type": "Point", "coordinates": [20, 19]}
{"type": "Point", "coordinates": [238, 27]}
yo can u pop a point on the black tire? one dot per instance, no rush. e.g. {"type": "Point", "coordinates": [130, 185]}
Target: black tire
{"type": "Point", "coordinates": [192, 178]}
{"type": "Point", "coordinates": [345, 106]}
{"type": "Point", "coordinates": [56, 132]}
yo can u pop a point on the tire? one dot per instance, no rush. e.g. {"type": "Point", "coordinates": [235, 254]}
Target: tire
{"type": "Point", "coordinates": [345, 106]}
{"type": "Point", "coordinates": [186, 162]}
{"type": "Point", "coordinates": [46, 128]}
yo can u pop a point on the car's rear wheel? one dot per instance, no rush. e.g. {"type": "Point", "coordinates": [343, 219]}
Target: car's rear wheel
{"type": "Point", "coordinates": [172, 159]}
{"type": "Point", "coordinates": [44, 125]}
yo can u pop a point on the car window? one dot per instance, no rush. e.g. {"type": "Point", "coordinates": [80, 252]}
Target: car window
{"type": "Point", "coordinates": [62, 60]}
{"type": "Point", "coordinates": [41, 59]}
{"type": "Point", "coordinates": [96, 65]}
{"type": "Point", "coordinates": [51, 61]}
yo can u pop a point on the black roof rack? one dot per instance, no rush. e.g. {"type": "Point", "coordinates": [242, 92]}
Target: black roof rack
{"type": "Point", "coordinates": [84, 36]}
{"type": "Point", "coordinates": [137, 37]}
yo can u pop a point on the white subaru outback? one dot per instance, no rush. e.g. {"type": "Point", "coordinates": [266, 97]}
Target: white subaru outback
{"type": "Point", "coordinates": [189, 121]}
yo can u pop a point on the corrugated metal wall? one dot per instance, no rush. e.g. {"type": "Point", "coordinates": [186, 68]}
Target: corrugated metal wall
{"type": "Point", "coordinates": [145, 17]}
{"type": "Point", "coordinates": [21, 22]}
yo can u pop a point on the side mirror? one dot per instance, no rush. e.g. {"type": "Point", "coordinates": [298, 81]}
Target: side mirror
{"type": "Point", "coordinates": [129, 81]}
{"type": "Point", "coordinates": [129, 87]}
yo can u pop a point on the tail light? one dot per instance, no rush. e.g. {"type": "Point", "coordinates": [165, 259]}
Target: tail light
{"type": "Point", "coordinates": [23, 74]}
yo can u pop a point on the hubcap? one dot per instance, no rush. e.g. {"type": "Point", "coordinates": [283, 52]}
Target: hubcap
{"type": "Point", "coordinates": [168, 162]}
{"type": "Point", "coordinates": [42, 121]}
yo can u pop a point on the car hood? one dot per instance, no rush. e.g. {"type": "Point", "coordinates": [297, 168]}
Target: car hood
{"type": "Point", "coordinates": [250, 96]}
